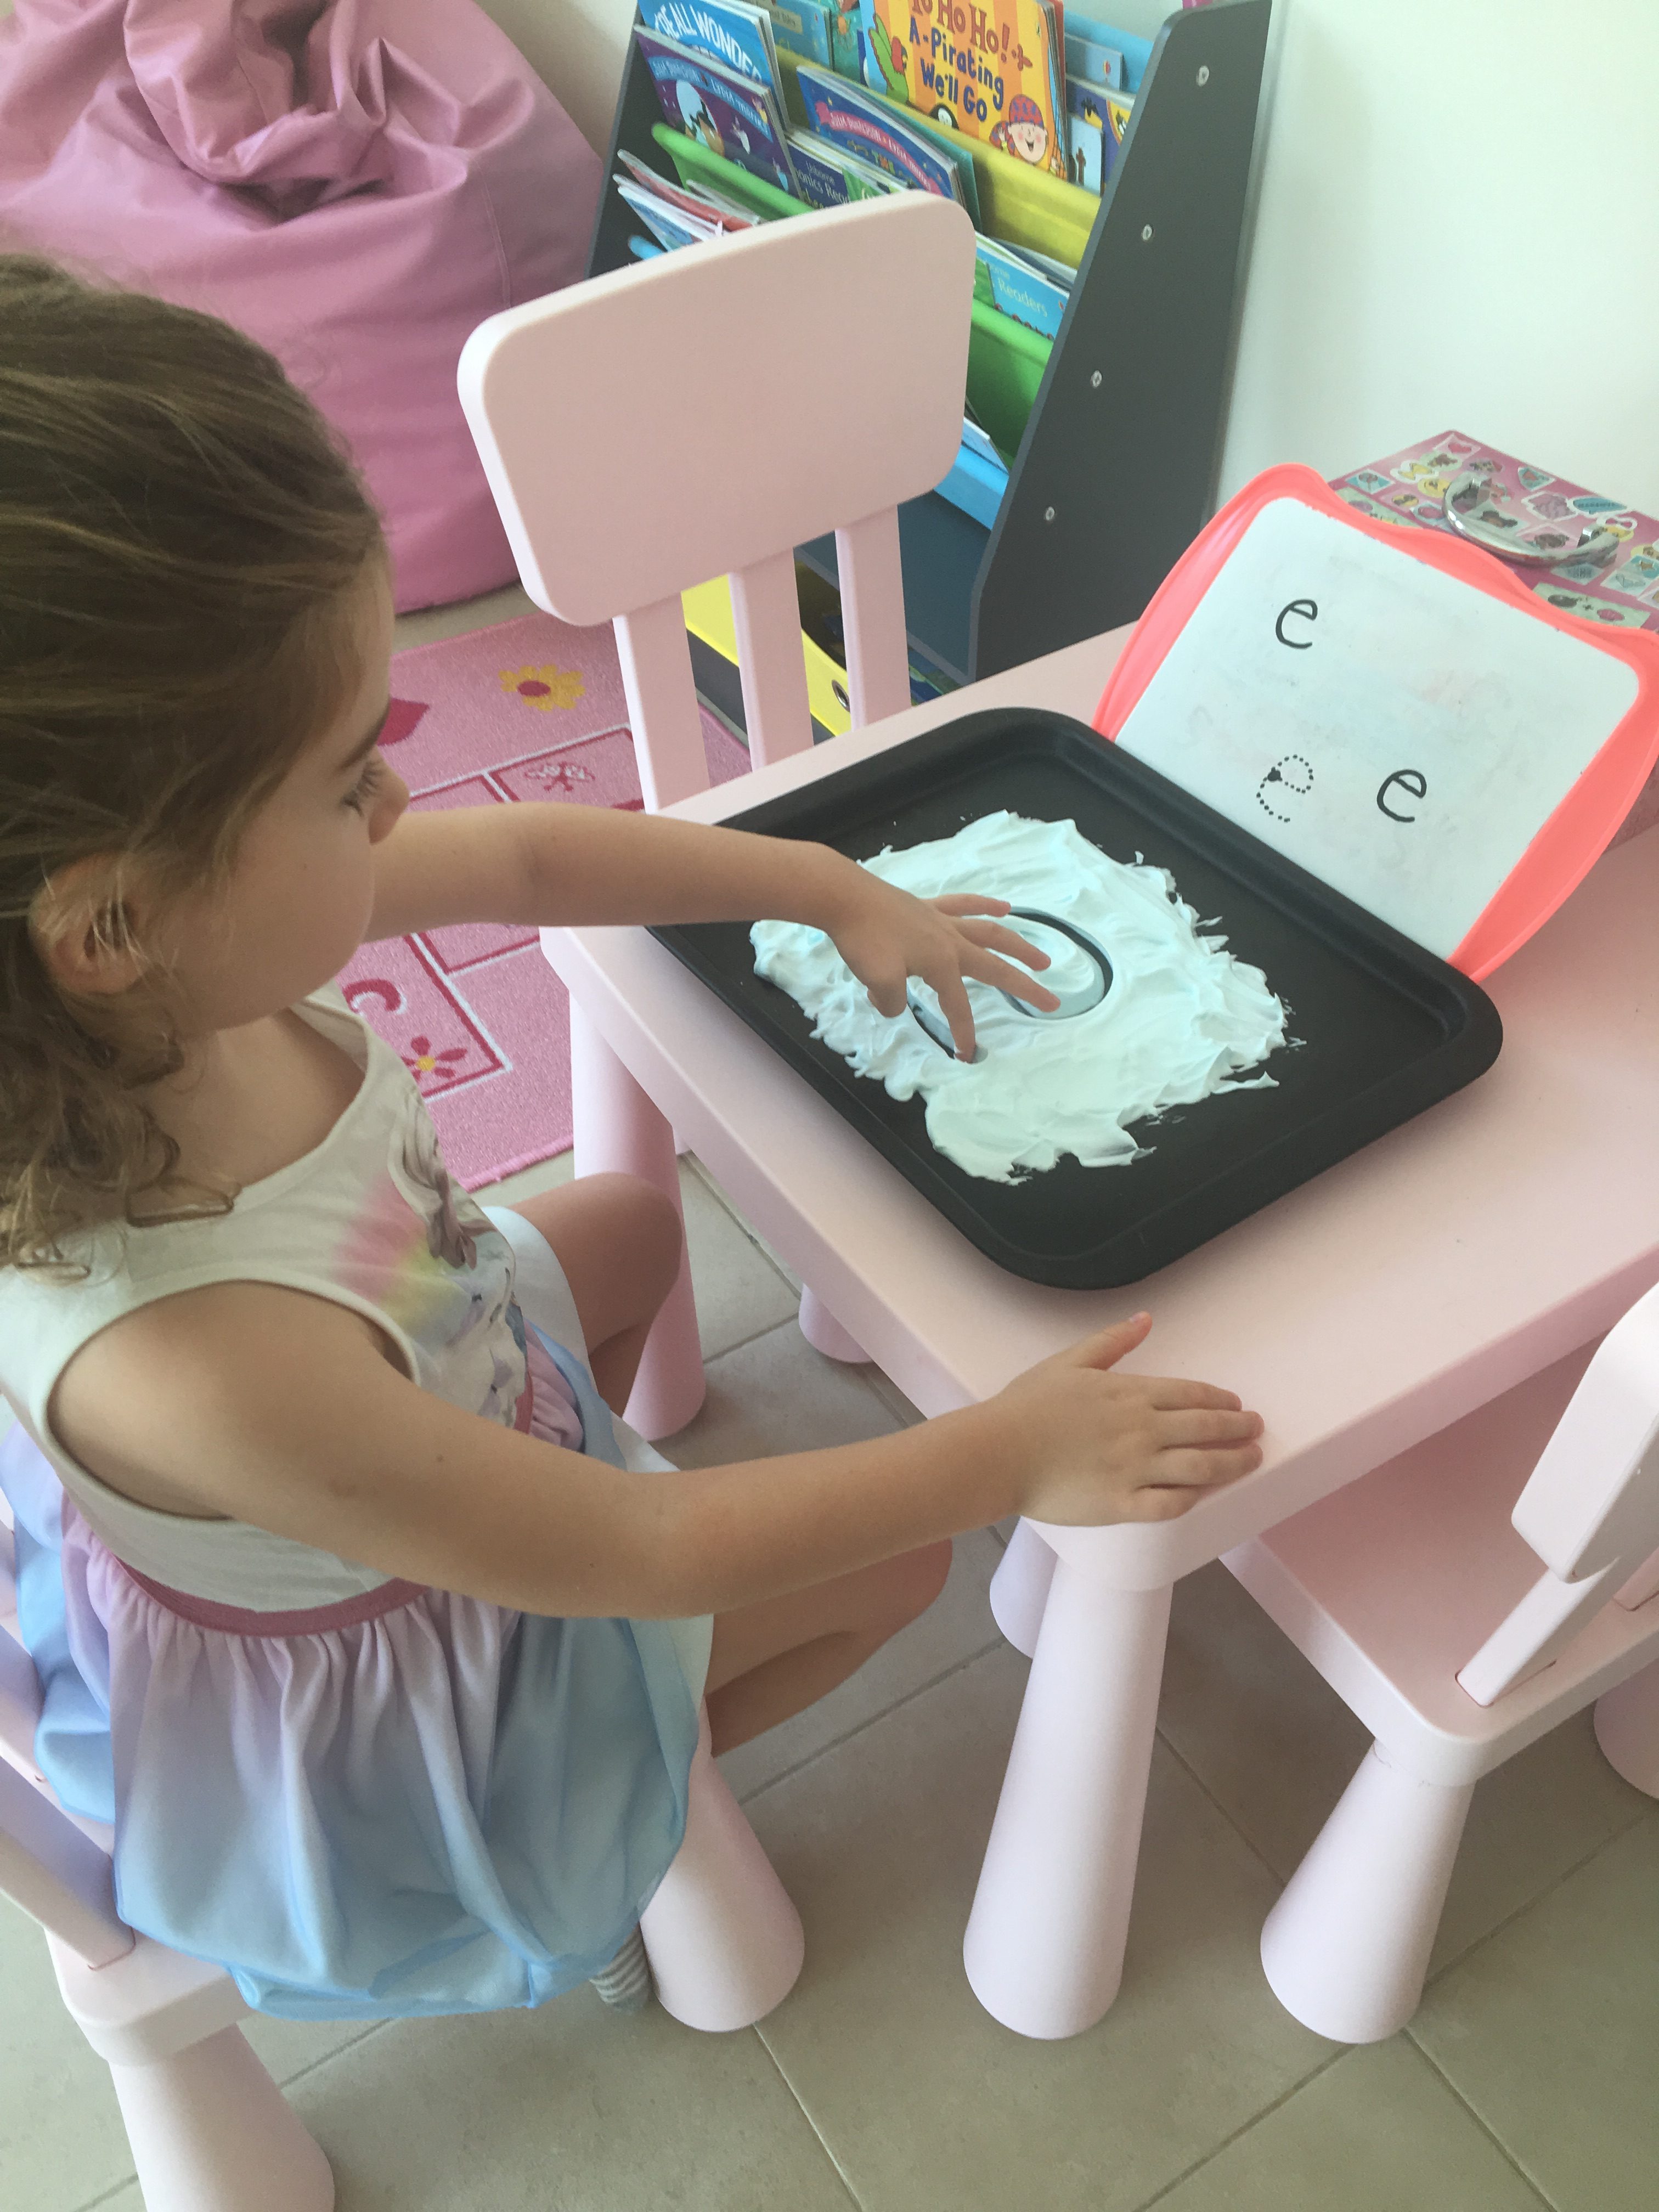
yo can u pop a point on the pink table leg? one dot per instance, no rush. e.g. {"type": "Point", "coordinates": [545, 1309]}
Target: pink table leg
{"type": "Point", "coordinates": [1044, 1946]}
{"type": "Point", "coordinates": [619, 1130]}
{"type": "Point", "coordinates": [825, 1333]}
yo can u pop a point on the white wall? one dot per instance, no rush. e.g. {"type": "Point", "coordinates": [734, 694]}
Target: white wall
{"type": "Point", "coordinates": [577, 47]}
{"type": "Point", "coordinates": [1456, 226]}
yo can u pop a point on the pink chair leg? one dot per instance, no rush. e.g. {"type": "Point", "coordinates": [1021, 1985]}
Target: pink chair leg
{"type": "Point", "coordinates": [1627, 1729]}
{"type": "Point", "coordinates": [1019, 1588]}
{"type": "Point", "coordinates": [619, 1130]}
{"type": "Point", "coordinates": [825, 1333]}
{"type": "Point", "coordinates": [1346, 1947]}
{"type": "Point", "coordinates": [724, 1941]}
{"type": "Point", "coordinates": [1044, 1946]}
{"type": "Point", "coordinates": [210, 2131]}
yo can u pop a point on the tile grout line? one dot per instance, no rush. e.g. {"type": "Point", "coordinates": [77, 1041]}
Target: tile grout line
{"type": "Point", "coordinates": [767, 1329]}
{"type": "Point", "coordinates": [726, 1207]}
{"type": "Point", "coordinates": [292, 2080]}
{"type": "Point", "coordinates": [1509, 2157]}
{"type": "Point", "coordinates": [869, 1722]}
{"type": "Point", "coordinates": [1527, 1905]}
{"type": "Point", "coordinates": [840, 2174]}
{"type": "Point", "coordinates": [1192, 1772]}
{"type": "Point", "coordinates": [1243, 2128]}
{"type": "Point", "coordinates": [90, 2203]}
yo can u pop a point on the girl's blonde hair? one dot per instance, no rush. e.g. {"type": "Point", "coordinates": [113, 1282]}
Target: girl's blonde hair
{"type": "Point", "coordinates": [180, 539]}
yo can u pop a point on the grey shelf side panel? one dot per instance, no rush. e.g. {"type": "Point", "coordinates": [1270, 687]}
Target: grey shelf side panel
{"type": "Point", "coordinates": [637, 109]}
{"type": "Point", "coordinates": [1113, 477]}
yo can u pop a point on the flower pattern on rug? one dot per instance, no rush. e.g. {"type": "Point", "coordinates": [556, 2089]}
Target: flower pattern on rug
{"type": "Point", "coordinates": [544, 687]}
{"type": "Point", "coordinates": [424, 1058]}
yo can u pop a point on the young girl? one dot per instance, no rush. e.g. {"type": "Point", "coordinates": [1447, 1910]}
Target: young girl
{"type": "Point", "coordinates": [376, 1638]}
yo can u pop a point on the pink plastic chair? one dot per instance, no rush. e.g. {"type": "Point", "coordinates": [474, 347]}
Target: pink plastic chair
{"type": "Point", "coordinates": [703, 414]}
{"type": "Point", "coordinates": [209, 2130]}
{"type": "Point", "coordinates": [1417, 1594]}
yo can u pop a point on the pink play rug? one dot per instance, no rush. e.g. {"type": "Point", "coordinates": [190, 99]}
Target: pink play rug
{"type": "Point", "coordinates": [533, 709]}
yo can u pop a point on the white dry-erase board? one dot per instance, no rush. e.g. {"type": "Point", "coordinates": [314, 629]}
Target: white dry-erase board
{"type": "Point", "coordinates": [1397, 732]}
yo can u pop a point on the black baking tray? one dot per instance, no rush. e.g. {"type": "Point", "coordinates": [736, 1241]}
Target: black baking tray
{"type": "Point", "coordinates": [1387, 1029]}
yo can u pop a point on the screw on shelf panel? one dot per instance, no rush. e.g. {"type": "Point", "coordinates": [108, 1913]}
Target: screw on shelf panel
{"type": "Point", "coordinates": [1145, 232]}
{"type": "Point", "coordinates": [1095, 380]}
{"type": "Point", "coordinates": [1204, 73]}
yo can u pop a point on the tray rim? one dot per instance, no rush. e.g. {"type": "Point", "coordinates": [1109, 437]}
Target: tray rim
{"type": "Point", "coordinates": [1470, 1045]}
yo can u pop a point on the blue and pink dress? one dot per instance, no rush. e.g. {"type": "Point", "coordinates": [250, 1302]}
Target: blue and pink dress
{"type": "Point", "coordinates": [365, 1798]}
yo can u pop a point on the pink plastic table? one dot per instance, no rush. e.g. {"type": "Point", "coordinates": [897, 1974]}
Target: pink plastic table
{"type": "Point", "coordinates": [1385, 1299]}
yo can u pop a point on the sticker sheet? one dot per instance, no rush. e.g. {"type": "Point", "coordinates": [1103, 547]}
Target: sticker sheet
{"type": "Point", "coordinates": [1620, 590]}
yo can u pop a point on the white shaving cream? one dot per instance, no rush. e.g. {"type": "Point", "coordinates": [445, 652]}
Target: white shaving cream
{"type": "Point", "coordinates": [1182, 1019]}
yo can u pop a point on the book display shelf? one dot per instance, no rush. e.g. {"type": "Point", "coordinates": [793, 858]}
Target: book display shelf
{"type": "Point", "coordinates": [1112, 426]}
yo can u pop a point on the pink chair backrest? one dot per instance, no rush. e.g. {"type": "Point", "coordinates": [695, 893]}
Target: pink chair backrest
{"type": "Point", "coordinates": [1590, 1510]}
{"type": "Point", "coordinates": [704, 413]}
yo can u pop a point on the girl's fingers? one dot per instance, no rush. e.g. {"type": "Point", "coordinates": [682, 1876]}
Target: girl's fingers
{"type": "Point", "coordinates": [887, 996]}
{"type": "Point", "coordinates": [1207, 1426]}
{"type": "Point", "coordinates": [952, 996]}
{"type": "Point", "coordinates": [1009, 942]}
{"type": "Point", "coordinates": [1108, 1345]}
{"type": "Point", "coordinates": [960, 902]}
{"type": "Point", "coordinates": [1173, 1394]}
{"type": "Point", "coordinates": [986, 968]}
{"type": "Point", "coordinates": [1205, 1468]}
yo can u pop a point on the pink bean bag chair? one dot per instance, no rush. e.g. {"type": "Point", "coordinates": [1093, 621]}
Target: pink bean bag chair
{"type": "Point", "coordinates": [354, 183]}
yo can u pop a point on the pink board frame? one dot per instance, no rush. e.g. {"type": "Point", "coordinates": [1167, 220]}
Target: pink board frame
{"type": "Point", "coordinates": [1576, 835]}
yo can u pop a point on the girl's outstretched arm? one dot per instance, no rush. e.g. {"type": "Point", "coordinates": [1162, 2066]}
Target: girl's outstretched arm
{"type": "Point", "coordinates": [544, 866]}
{"type": "Point", "coordinates": [269, 1406]}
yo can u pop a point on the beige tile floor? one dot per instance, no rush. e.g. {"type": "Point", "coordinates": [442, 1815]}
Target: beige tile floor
{"type": "Point", "coordinates": [1527, 2079]}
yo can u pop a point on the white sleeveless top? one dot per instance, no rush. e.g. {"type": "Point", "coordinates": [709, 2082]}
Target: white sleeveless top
{"type": "Point", "coordinates": [371, 1219]}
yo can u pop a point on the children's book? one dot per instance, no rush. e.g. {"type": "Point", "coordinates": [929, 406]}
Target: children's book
{"type": "Point", "coordinates": [1002, 280]}
{"type": "Point", "coordinates": [951, 143]}
{"type": "Point", "coordinates": [1136, 51]}
{"type": "Point", "coordinates": [831, 177]}
{"type": "Point", "coordinates": [670, 226]}
{"type": "Point", "coordinates": [817, 31]}
{"type": "Point", "coordinates": [1087, 63]}
{"type": "Point", "coordinates": [702, 200]}
{"type": "Point", "coordinates": [978, 441]}
{"type": "Point", "coordinates": [1087, 143]}
{"type": "Point", "coordinates": [731, 115]}
{"type": "Point", "coordinates": [994, 70]}
{"type": "Point", "coordinates": [1099, 104]}
{"type": "Point", "coordinates": [734, 32]}
{"type": "Point", "coordinates": [975, 483]}
{"type": "Point", "coordinates": [1095, 121]}
{"type": "Point", "coordinates": [848, 116]}
{"type": "Point", "coordinates": [1057, 272]}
